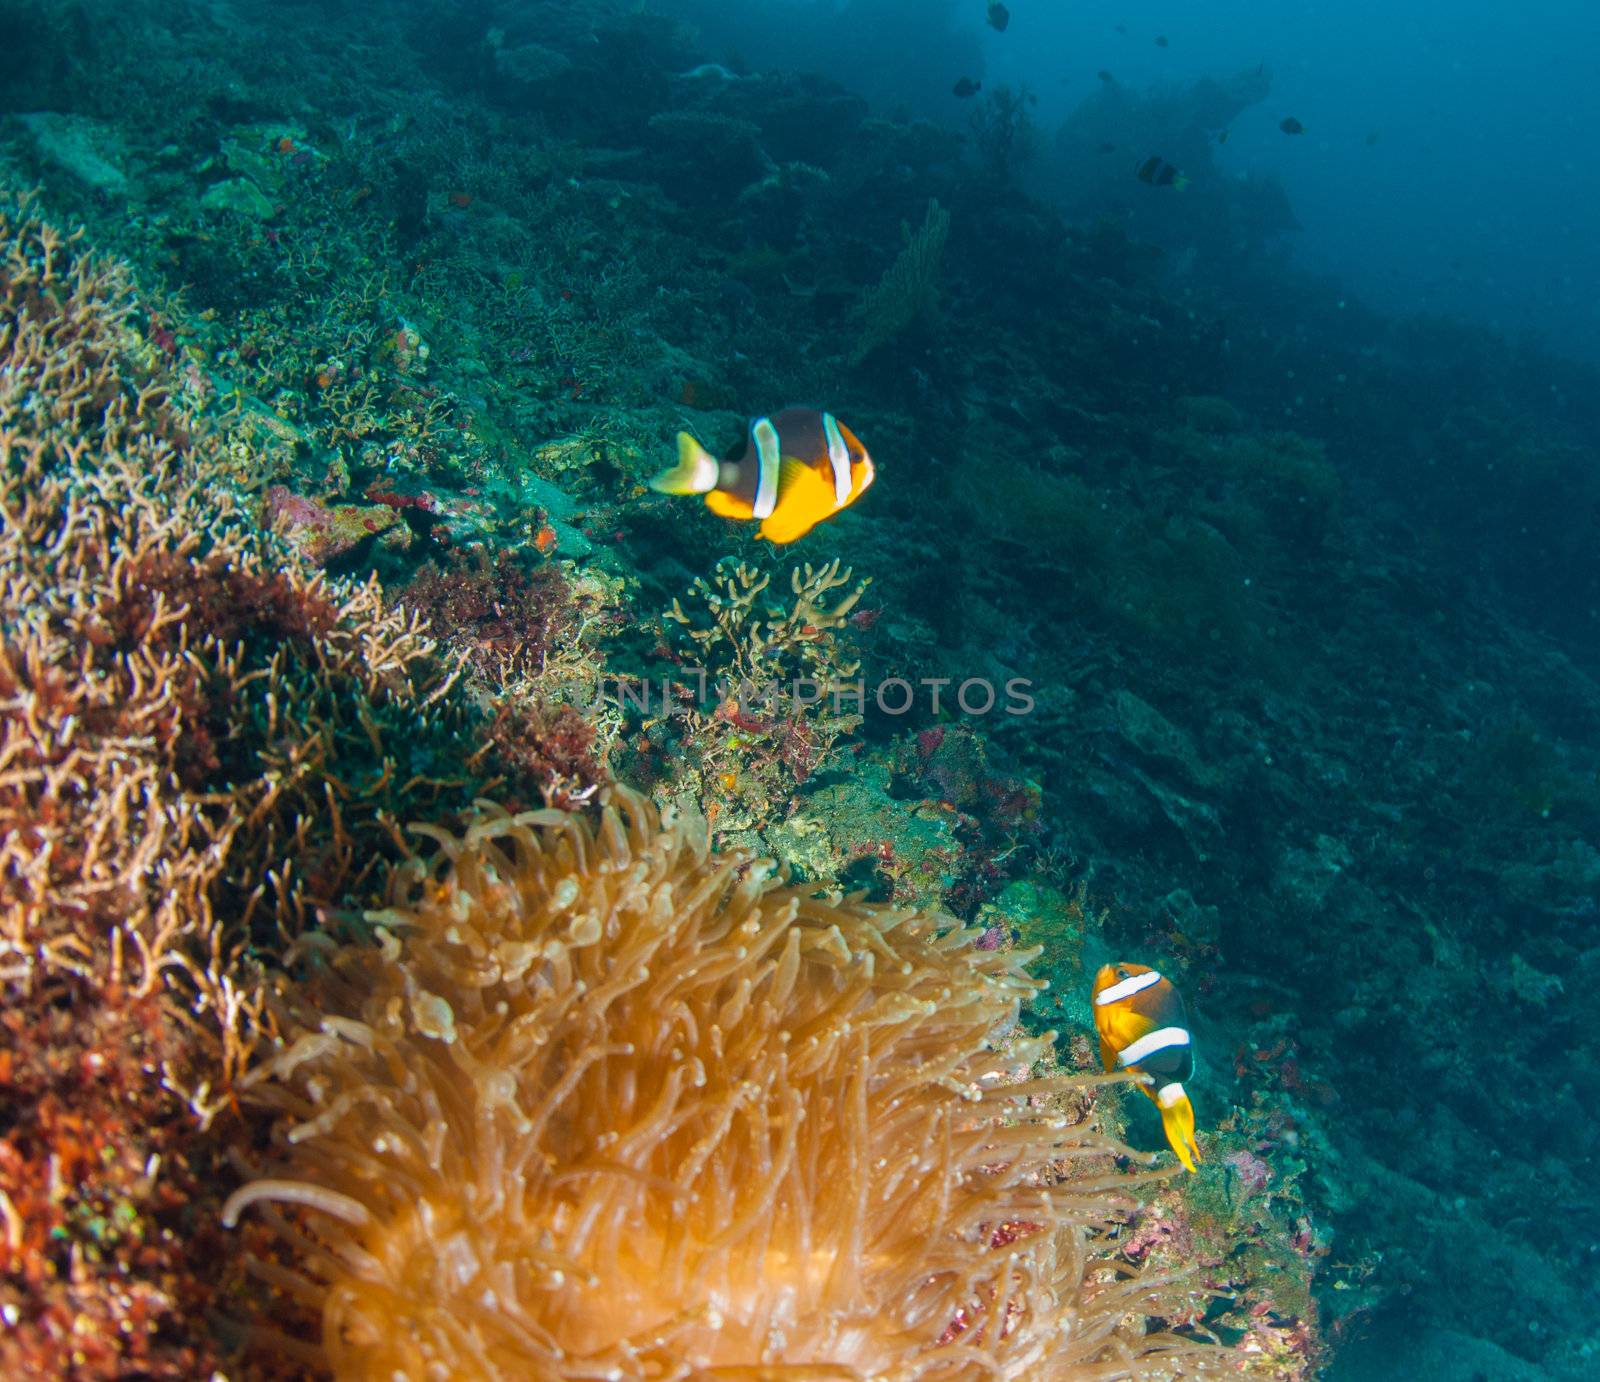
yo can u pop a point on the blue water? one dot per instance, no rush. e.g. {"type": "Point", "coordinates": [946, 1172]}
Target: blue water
{"type": "Point", "coordinates": [1479, 197]}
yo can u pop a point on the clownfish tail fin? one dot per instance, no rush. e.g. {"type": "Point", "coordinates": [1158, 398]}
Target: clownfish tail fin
{"type": "Point", "coordinates": [697, 470]}
{"type": "Point", "coordinates": [1177, 1120]}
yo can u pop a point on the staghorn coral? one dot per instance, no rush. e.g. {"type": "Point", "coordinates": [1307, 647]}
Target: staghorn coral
{"type": "Point", "coordinates": [603, 1105]}
{"type": "Point", "coordinates": [171, 697]}
{"type": "Point", "coordinates": [783, 681]}
{"type": "Point", "coordinates": [200, 744]}
{"type": "Point", "coordinates": [175, 694]}
{"type": "Point", "coordinates": [739, 645]}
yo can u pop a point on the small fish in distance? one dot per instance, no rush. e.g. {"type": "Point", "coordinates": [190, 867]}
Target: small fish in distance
{"type": "Point", "coordinates": [1156, 171]}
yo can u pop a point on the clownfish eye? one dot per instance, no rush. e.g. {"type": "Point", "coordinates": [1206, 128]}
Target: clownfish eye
{"type": "Point", "coordinates": [1121, 972]}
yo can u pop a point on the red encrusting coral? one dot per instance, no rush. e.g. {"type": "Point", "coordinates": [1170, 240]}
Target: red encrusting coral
{"type": "Point", "coordinates": [549, 745]}
{"type": "Point", "coordinates": [501, 613]}
{"type": "Point", "coordinates": [99, 1175]}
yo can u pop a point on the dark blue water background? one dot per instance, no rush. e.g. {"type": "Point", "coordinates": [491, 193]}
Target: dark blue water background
{"type": "Point", "coordinates": [1448, 164]}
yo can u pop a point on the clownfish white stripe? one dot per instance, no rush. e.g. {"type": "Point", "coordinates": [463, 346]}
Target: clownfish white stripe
{"type": "Point", "coordinates": [1169, 1094]}
{"type": "Point", "coordinates": [838, 458]}
{"type": "Point", "coordinates": [1118, 991]}
{"type": "Point", "coordinates": [766, 436]}
{"type": "Point", "coordinates": [1146, 1046]}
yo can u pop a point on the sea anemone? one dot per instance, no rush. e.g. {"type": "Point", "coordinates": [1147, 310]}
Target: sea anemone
{"type": "Point", "coordinates": [600, 1104]}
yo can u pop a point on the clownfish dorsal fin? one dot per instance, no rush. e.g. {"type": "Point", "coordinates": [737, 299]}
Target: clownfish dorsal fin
{"type": "Point", "coordinates": [1108, 1054]}
{"type": "Point", "coordinates": [798, 477]}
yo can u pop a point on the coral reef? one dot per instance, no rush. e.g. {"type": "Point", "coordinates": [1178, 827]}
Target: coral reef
{"type": "Point", "coordinates": [748, 648]}
{"type": "Point", "coordinates": [177, 693]}
{"type": "Point", "coordinates": [203, 745]}
{"type": "Point", "coordinates": [602, 1103]}
{"type": "Point", "coordinates": [324, 511]}
{"type": "Point", "coordinates": [901, 851]}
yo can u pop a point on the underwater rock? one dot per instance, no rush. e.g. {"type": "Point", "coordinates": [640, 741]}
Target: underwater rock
{"type": "Point", "coordinates": [1305, 877]}
{"type": "Point", "coordinates": [1200, 924]}
{"type": "Point", "coordinates": [1432, 1355]}
{"type": "Point", "coordinates": [241, 197]}
{"type": "Point", "coordinates": [702, 154]}
{"type": "Point", "coordinates": [1149, 761]}
{"type": "Point", "coordinates": [323, 532]}
{"type": "Point", "coordinates": [556, 538]}
{"type": "Point", "coordinates": [267, 154]}
{"type": "Point", "coordinates": [82, 148]}
{"type": "Point", "coordinates": [1028, 913]}
{"type": "Point", "coordinates": [1523, 983]}
{"type": "Point", "coordinates": [1156, 741]}
{"type": "Point", "coordinates": [529, 65]}
{"type": "Point", "coordinates": [1210, 414]}
{"type": "Point", "coordinates": [555, 501]}
{"type": "Point", "coordinates": [1564, 886]}
{"type": "Point", "coordinates": [952, 763]}
{"type": "Point", "coordinates": [1129, 802]}
{"type": "Point", "coordinates": [557, 533]}
{"type": "Point", "coordinates": [856, 832]}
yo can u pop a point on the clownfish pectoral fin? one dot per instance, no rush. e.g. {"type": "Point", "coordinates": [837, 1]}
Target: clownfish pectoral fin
{"type": "Point", "coordinates": [1177, 1120]}
{"type": "Point", "coordinates": [804, 500]}
{"type": "Point", "coordinates": [697, 470]}
{"type": "Point", "coordinates": [1108, 1054]}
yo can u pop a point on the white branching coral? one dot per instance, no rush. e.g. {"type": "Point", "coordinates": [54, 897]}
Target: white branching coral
{"type": "Point", "coordinates": [751, 641]}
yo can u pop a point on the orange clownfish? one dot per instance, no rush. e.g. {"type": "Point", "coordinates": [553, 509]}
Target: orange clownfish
{"type": "Point", "coordinates": [799, 467]}
{"type": "Point", "coordinates": [1143, 1028]}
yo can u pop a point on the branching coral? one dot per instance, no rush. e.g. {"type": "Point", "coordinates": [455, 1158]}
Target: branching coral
{"type": "Point", "coordinates": [783, 674]}
{"type": "Point", "coordinates": [747, 645]}
{"type": "Point", "coordinates": [600, 1104]}
{"type": "Point", "coordinates": [173, 693]}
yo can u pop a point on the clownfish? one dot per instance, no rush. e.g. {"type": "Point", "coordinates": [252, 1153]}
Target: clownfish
{"type": "Point", "coordinates": [799, 467]}
{"type": "Point", "coordinates": [1143, 1028]}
